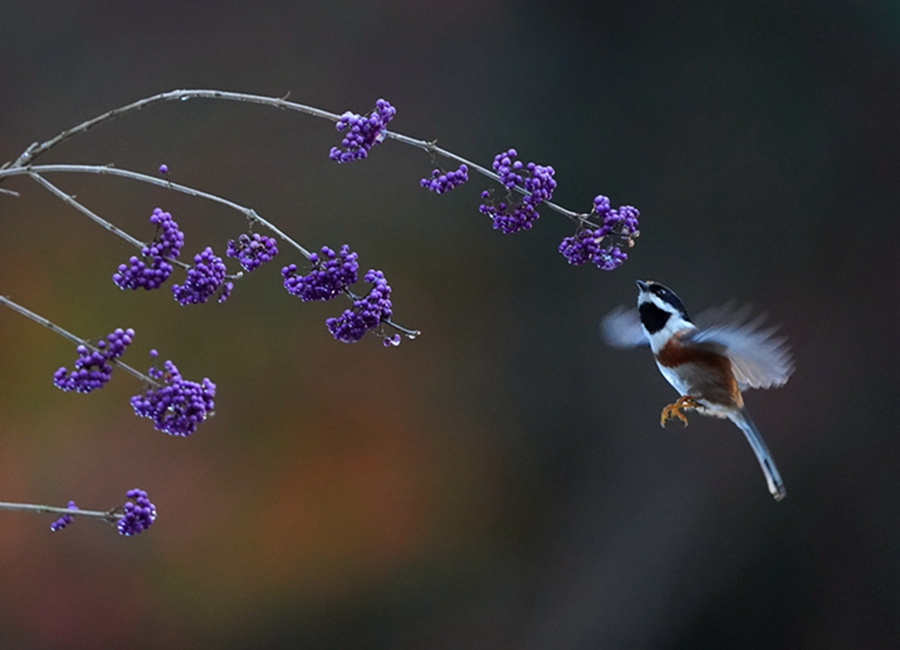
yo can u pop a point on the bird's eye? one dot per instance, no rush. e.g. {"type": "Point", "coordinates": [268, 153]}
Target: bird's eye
{"type": "Point", "coordinates": [668, 296]}
{"type": "Point", "coordinates": [663, 293]}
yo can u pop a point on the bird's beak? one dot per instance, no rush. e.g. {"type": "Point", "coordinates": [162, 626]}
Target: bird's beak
{"type": "Point", "coordinates": [643, 286]}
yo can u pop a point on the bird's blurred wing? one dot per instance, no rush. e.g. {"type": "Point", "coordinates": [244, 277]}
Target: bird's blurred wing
{"type": "Point", "coordinates": [621, 328]}
{"type": "Point", "coordinates": [729, 314]}
{"type": "Point", "coordinates": [759, 359]}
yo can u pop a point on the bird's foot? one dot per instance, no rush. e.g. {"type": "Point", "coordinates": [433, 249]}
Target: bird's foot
{"type": "Point", "coordinates": [674, 410]}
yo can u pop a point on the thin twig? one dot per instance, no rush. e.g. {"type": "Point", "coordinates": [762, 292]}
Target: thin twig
{"type": "Point", "coordinates": [70, 200]}
{"type": "Point", "coordinates": [251, 214]}
{"type": "Point", "coordinates": [56, 329]}
{"type": "Point", "coordinates": [111, 516]}
{"type": "Point", "coordinates": [23, 162]}
{"type": "Point", "coordinates": [36, 149]}
{"type": "Point", "coordinates": [104, 170]}
{"type": "Point", "coordinates": [86, 211]}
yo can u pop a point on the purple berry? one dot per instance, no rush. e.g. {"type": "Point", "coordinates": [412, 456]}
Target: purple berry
{"type": "Point", "coordinates": [151, 271]}
{"type": "Point", "coordinates": [367, 313]}
{"type": "Point", "coordinates": [619, 228]}
{"type": "Point", "coordinates": [513, 214]}
{"type": "Point", "coordinates": [252, 251]}
{"type": "Point", "coordinates": [91, 369]}
{"type": "Point", "coordinates": [65, 520]}
{"type": "Point", "coordinates": [139, 513]}
{"type": "Point", "coordinates": [164, 169]}
{"type": "Point", "coordinates": [331, 274]}
{"type": "Point", "coordinates": [203, 279]}
{"type": "Point", "coordinates": [508, 217]}
{"type": "Point", "coordinates": [226, 291]}
{"type": "Point", "coordinates": [441, 182]}
{"type": "Point", "coordinates": [362, 132]}
{"type": "Point", "coordinates": [178, 406]}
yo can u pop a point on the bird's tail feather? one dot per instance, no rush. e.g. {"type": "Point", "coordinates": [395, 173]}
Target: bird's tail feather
{"type": "Point", "coordinates": [773, 478]}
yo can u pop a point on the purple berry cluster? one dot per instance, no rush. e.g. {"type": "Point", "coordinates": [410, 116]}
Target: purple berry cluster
{"type": "Point", "coordinates": [65, 520]}
{"type": "Point", "coordinates": [442, 182]}
{"type": "Point", "coordinates": [252, 251]}
{"type": "Point", "coordinates": [367, 313]}
{"type": "Point", "coordinates": [363, 132]}
{"type": "Point", "coordinates": [178, 406]}
{"type": "Point", "coordinates": [203, 280]}
{"type": "Point", "coordinates": [510, 215]}
{"type": "Point", "coordinates": [619, 226]}
{"type": "Point", "coordinates": [92, 369]}
{"type": "Point", "coordinates": [139, 513]}
{"type": "Point", "coordinates": [331, 273]}
{"type": "Point", "coordinates": [150, 274]}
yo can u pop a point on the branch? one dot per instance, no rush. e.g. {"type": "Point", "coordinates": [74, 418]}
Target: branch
{"type": "Point", "coordinates": [110, 516]}
{"type": "Point", "coordinates": [56, 329]}
{"type": "Point", "coordinates": [249, 213]}
{"type": "Point", "coordinates": [84, 210]}
{"type": "Point", "coordinates": [36, 149]}
{"type": "Point", "coordinates": [35, 170]}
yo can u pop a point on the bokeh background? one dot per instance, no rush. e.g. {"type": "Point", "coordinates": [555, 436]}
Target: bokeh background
{"type": "Point", "coordinates": [501, 482]}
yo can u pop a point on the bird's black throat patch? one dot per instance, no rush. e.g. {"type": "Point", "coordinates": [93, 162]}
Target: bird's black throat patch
{"type": "Point", "coordinates": [652, 317]}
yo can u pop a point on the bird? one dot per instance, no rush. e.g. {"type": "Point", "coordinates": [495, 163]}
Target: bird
{"type": "Point", "coordinates": [710, 366]}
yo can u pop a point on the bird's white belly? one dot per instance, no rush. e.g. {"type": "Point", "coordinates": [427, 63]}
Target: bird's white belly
{"type": "Point", "coordinates": [683, 388]}
{"type": "Point", "coordinates": [674, 379]}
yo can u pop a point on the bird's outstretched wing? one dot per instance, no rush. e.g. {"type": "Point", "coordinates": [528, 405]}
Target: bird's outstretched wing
{"type": "Point", "coordinates": [759, 359]}
{"type": "Point", "coordinates": [621, 328]}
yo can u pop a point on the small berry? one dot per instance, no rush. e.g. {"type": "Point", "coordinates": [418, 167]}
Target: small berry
{"type": "Point", "coordinates": [441, 182]}
{"type": "Point", "coordinates": [91, 368]}
{"type": "Point", "coordinates": [226, 291]}
{"type": "Point", "coordinates": [151, 271]}
{"type": "Point", "coordinates": [367, 313]}
{"type": "Point", "coordinates": [513, 214]}
{"type": "Point", "coordinates": [139, 513]}
{"type": "Point", "coordinates": [203, 279]}
{"type": "Point", "coordinates": [178, 406]}
{"type": "Point", "coordinates": [362, 132]}
{"type": "Point", "coordinates": [65, 520]}
{"type": "Point", "coordinates": [252, 251]}
{"type": "Point", "coordinates": [330, 275]}
{"type": "Point", "coordinates": [164, 169]}
{"type": "Point", "coordinates": [619, 228]}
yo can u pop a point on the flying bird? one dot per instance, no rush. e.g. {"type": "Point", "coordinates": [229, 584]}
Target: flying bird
{"type": "Point", "coordinates": [709, 366]}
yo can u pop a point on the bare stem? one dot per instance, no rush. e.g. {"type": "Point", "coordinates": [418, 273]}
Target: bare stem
{"type": "Point", "coordinates": [74, 339]}
{"type": "Point", "coordinates": [70, 200]}
{"type": "Point", "coordinates": [23, 164]}
{"type": "Point", "coordinates": [104, 170]}
{"type": "Point", "coordinates": [408, 333]}
{"type": "Point", "coordinates": [111, 516]}
{"type": "Point", "coordinates": [36, 172]}
{"type": "Point", "coordinates": [35, 149]}
{"type": "Point", "coordinates": [84, 210]}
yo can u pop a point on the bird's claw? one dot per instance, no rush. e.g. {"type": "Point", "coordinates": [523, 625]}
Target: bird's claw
{"type": "Point", "coordinates": [674, 410]}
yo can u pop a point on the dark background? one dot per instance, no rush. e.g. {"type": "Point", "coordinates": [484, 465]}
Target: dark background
{"type": "Point", "coordinates": [501, 482]}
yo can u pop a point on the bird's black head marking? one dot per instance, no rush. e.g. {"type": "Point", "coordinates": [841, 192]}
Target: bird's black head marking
{"type": "Point", "coordinates": [668, 296]}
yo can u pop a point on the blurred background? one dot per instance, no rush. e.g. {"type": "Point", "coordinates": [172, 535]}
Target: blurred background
{"type": "Point", "coordinates": [502, 481]}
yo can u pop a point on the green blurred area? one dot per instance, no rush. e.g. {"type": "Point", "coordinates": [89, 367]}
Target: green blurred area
{"type": "Point", "coordinates": [500, 482]}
